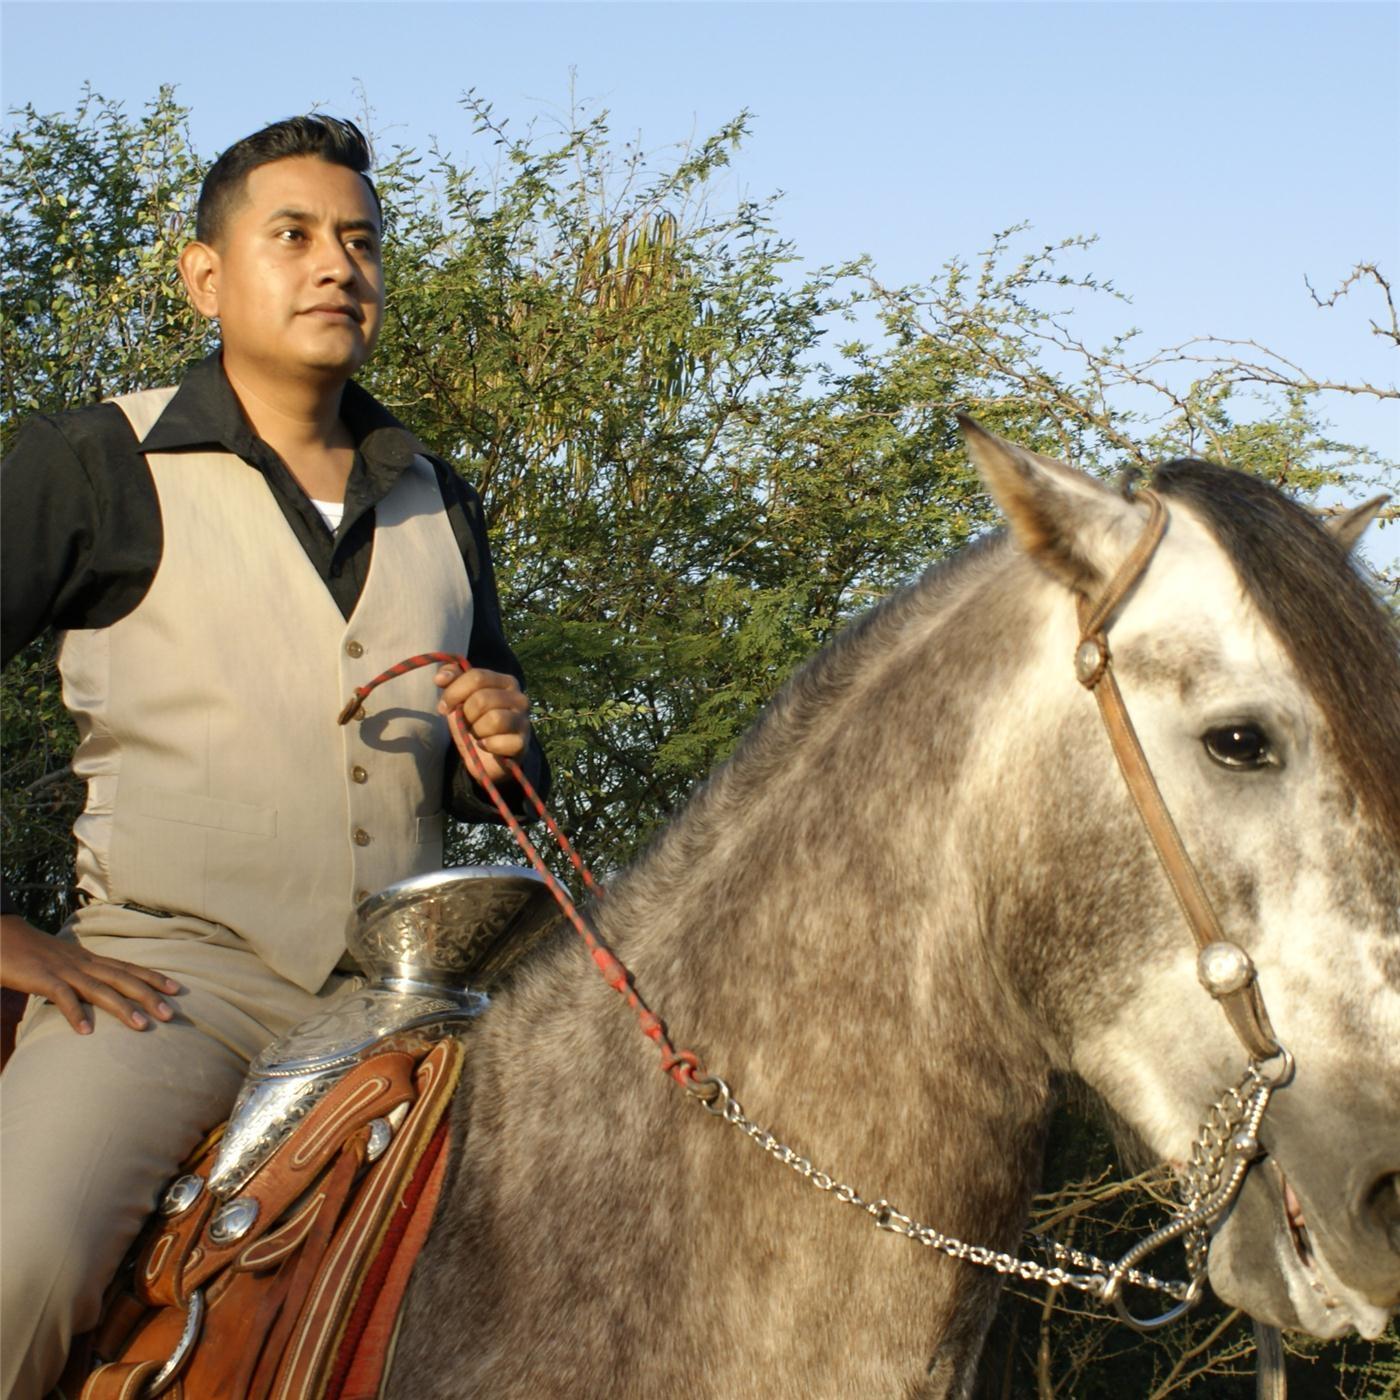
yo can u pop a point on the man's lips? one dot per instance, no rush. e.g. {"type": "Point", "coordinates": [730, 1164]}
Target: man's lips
{"type": "Point", "coordinates": [331, 309]}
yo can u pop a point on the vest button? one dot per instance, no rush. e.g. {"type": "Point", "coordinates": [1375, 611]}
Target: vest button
{"type": "Point", "coordinates": [355, 649]}
{"type": "Point", "coordinates": [359, 774]}
{"type": "Point", "coordinates": [361, 837]}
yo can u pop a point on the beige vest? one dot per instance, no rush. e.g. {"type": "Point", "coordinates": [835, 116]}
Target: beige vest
{"type": "Point", "coordinates": [218, 782]}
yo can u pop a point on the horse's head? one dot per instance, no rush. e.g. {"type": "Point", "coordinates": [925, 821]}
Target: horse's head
{"type": "Point", "coordinates": [1264, 682]}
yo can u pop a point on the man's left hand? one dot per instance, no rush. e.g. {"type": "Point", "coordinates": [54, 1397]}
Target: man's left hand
{"type": "Point", "coordinates": [496, 710]}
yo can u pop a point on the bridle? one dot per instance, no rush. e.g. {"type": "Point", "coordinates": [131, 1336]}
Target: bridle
{"type": "Point", "coordinates": [1227, 1147]}
{"type": "Point", "coordinates": [1227, 1143]}
{"type": "Point", "coordinates": [1224, 968]}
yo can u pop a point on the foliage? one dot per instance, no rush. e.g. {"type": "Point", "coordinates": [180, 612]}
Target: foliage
{"type": "Point", "coordinates": [94, 209]}
{"type": "Point", "coordinates": [690, 480]}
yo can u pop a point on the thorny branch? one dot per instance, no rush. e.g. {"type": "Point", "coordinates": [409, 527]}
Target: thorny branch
{"type": "Point", "coordinates": [1360, 273]}
{"type": "Point", "coordinates": [1270, 368]}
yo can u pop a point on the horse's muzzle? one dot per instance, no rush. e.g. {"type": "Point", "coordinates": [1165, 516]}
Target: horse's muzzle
{"type": "Point", "coordinates": [1382, 1209]}
{"type": "Point", "coordinates": [1290, 1261]}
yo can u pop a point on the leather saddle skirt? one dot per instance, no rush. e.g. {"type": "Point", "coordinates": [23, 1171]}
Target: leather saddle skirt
{"type": "Point", "coordinates": [291, 1289]}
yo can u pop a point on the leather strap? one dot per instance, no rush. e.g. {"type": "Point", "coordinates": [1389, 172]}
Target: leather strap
{"type": "Point", "coordinates": [1094, 667]}
{"type": "Point", "coordinates": [309, 1353]}
{"type": "Point", "coordinates": [120, 1380]}
{"type": "Point", "coordinates": [1271, 1378]}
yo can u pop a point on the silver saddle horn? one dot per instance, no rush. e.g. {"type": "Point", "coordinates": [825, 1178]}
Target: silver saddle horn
{"type": "Point", "coordinates": [432, 948]}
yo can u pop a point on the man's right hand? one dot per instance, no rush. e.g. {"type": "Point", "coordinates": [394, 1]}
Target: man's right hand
{"type": "Point", "coordinates": [69, 976]}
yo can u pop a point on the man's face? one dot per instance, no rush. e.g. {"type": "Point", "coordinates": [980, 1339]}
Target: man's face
{"type": "Point", "coordinates": [297, 282]}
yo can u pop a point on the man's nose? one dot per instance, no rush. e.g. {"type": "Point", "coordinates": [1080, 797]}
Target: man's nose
{"type": "Point", "coordinates": [334, 264]}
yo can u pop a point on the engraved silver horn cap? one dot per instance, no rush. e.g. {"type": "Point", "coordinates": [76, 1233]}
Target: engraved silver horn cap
{"type": "Point", "coordinates": [456, 927]}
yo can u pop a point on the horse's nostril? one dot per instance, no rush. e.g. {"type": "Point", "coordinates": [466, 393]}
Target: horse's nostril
{"type": "Point", "coordinates": [1383, 1207]}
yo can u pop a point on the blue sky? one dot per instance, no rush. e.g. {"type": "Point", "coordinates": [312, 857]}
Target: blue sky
{"type": "Point", "coordinates": [1222, 152]}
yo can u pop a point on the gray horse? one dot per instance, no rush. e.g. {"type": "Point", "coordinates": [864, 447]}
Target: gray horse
{"type": "Point", "coordinates": [915, 893]}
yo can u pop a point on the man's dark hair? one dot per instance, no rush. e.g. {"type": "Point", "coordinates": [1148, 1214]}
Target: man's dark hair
{"type": "Point", "coordinates": [331, 139]}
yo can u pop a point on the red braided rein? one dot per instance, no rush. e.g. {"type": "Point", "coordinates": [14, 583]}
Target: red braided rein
{"type": "Point", "coordinates": [682, 1065]}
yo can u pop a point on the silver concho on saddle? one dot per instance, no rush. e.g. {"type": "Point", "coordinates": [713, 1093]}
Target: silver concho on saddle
{"type": "Point", "coordinates": [431, 947]}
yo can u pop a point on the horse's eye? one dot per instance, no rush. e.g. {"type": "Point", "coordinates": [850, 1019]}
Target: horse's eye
{"type": "Point", "coordinates": [1238, 746]}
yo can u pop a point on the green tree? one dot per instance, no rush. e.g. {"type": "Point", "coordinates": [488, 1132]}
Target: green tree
{"type": "Point", "coordinates": [691, 481]}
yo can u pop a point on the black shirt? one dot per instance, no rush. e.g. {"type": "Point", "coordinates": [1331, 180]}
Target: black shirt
{"type": "Point", "coordinates": [81, 535]}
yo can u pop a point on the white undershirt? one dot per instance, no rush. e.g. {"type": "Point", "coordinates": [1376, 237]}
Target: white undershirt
{"type": "Point", "coordinates": [332, 512]}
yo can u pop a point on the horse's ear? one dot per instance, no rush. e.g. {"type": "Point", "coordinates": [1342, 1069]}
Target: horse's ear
{"type": "Point", "coordinates": [1349, 525]}
{"type": "Point", "coordinates": [1071, 525]}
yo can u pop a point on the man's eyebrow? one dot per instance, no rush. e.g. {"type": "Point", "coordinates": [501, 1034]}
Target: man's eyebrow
{"type": "Point", "coordinates": [301, 216]}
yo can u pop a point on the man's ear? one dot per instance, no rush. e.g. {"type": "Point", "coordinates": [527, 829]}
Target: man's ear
{"type": "Point", "coordinates": [199, 267]}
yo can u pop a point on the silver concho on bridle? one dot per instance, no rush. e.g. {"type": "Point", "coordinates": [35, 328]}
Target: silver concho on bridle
{"type": "Point", "coordinates": [431, 948]}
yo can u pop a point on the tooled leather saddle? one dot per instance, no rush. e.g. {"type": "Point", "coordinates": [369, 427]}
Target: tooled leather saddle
{"type": "Point", "coordinates": [276, 1262]}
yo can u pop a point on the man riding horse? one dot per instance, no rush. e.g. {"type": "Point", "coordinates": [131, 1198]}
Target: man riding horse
{"type": "Point", "coordinates": [225, 560]}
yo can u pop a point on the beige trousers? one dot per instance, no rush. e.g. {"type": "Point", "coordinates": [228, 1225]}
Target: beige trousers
{"type": "Point", "coordinates": [92, 1127]}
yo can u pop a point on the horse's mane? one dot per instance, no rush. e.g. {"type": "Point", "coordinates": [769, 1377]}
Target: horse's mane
{"type": "Point", "coordinates": [1330, 623]}
{"type": "Point", "coordinates": [809, 692]}
{"type": "Point", "coordinates": [1301, 580]}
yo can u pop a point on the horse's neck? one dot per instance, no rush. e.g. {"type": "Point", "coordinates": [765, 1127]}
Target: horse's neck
{"type": "Point", "coordinates": [809, 927]}
{"type": "Point", "coordinates": [816, 922]}
{"type": "Point", "coordinates": [599, 1211]}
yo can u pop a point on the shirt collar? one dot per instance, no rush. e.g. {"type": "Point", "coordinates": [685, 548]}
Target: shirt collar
{"type": "Point", "coordinates": [205, 412]}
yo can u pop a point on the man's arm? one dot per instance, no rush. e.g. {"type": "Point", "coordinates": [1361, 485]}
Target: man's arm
{"type": "Point", "coordinates": [48, 517]}
{"type": "Point", "coordinates": [80, 531]}
{"type": "Point", "coordinates": [58, 569]}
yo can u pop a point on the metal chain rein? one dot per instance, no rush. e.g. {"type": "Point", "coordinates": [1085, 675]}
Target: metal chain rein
{"type": "Point", "coordinates": [1091, 1275]}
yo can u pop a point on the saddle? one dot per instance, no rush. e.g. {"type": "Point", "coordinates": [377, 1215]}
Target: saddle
{"type": "Point", "coordinates": [303, 1301]}
{"type": "Point", "coordinates": [276, 1262]}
